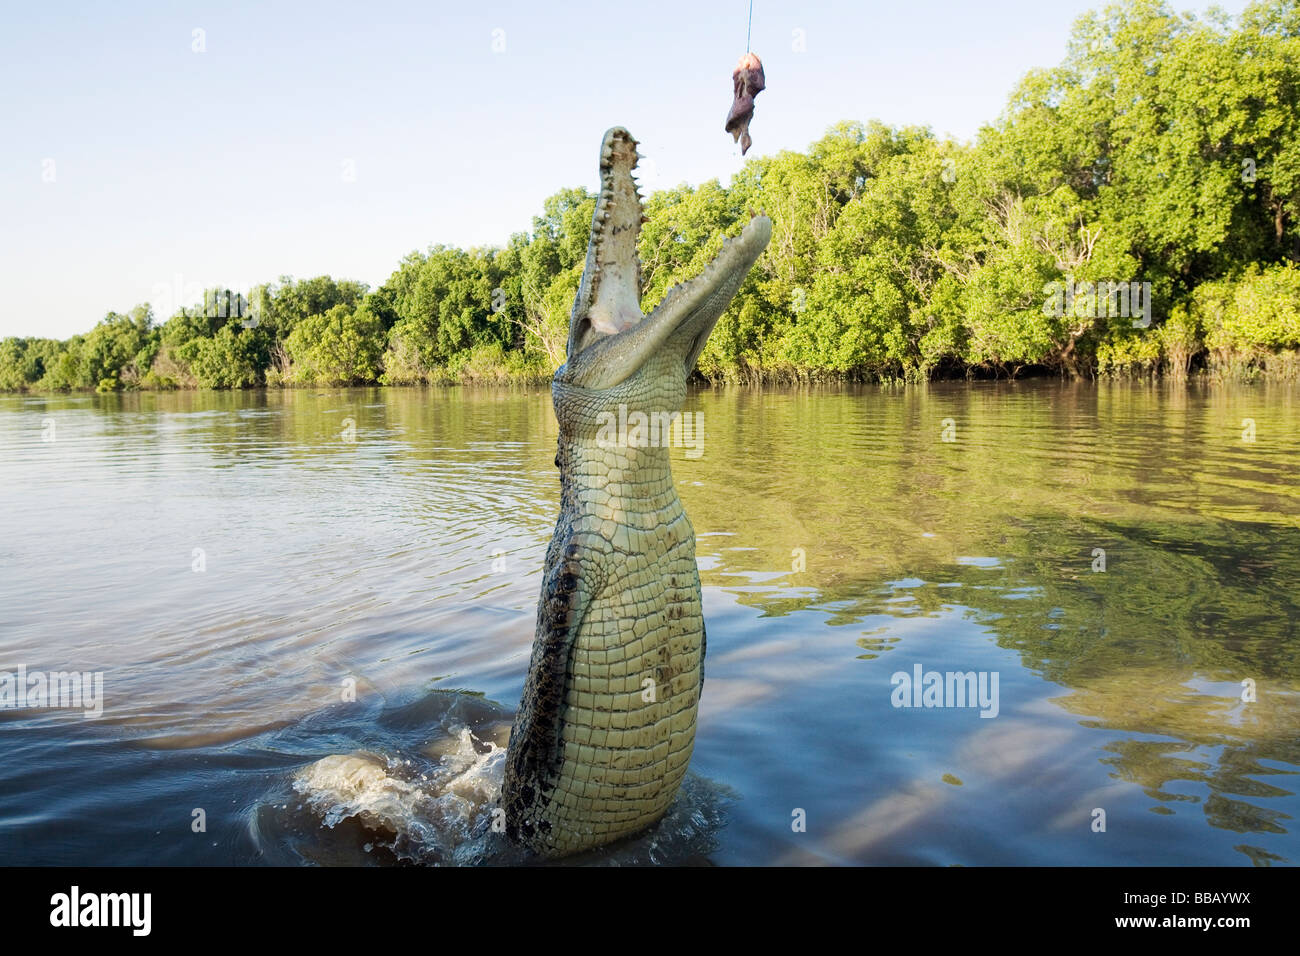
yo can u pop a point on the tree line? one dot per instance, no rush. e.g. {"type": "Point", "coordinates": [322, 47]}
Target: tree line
{"type": "Point", "coordinates": [1133, 211]}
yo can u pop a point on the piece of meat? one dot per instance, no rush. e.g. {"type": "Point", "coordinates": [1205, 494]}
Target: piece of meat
{"type": "Point", "coordinates": [747, 81]}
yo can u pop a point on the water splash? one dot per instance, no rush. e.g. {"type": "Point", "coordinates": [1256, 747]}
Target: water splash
{"type": "Point", "coordinates": [419, 810]}
{"type": "Point", "coordinates": [434, 802]}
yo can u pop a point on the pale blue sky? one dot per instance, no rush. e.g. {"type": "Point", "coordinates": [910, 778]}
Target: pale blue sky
{"type": "Point", "coordinates": [175, 169]}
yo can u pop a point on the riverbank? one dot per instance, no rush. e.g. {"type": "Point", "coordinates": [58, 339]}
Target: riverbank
{"type": "Point", "coordinates": [1230, 368]}
{"type": "Point", "coordinates": [1069, 238]}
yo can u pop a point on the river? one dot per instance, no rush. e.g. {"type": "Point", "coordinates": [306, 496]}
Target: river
{"type": "Point", "coordinates": [312, 610]}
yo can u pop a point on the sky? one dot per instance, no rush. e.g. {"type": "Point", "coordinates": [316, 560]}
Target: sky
{"type": "Point", "coordinates": [150, 150]}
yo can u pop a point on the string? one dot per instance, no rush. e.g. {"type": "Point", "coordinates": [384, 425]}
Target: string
{"type": "Point", "coordinates": [750, 25]}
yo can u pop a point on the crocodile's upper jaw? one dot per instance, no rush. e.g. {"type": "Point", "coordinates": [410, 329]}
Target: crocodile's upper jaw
{"type": "Point", "coordinates": [609, 337]}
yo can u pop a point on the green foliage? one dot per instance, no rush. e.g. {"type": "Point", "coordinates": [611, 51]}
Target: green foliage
{"type": "Point", "coordinates": [67, 369]}
{"type": "Point", "coordinates": [23, 362]}
{"type": "Point", "coordinates": [1251, 323]}
{"type": "Point", "coordinates": [14, 367]}
{"type": "Point", "coordinates": [337, 348]}
{"type": "Point", "coordinates": [280, 308]}
{"type": "Point", "coordinates": [233, 358]}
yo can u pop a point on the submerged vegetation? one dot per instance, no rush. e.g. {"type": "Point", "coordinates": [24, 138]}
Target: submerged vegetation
{"type": "Point", "coordinates": [1162, 157]}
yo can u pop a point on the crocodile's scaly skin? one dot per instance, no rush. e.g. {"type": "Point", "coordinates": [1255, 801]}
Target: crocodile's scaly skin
{"type": "Point", "coordinates": [625, 550]}
{"type": "Point", "coordinates": [606, 725]}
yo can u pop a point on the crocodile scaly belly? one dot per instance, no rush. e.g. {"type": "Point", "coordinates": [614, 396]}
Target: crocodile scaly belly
{"type": "Point", "coordinates": [629, 715]}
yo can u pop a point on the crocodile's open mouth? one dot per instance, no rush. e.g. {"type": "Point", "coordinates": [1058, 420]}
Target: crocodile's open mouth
{"type": "Point", "coordinates": [609, 337]}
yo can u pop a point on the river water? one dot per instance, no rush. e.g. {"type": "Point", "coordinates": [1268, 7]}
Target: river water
{"type": "Point", "coordinates": [312, 612]}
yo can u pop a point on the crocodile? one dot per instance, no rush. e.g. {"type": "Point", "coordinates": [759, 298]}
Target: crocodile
{"type": "Point", "coordinates": [606, 725]}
